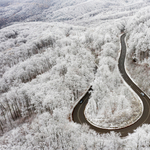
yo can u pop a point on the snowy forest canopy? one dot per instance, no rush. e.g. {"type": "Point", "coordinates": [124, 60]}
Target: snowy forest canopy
{"type": "Point", "coordinates": [46, 67]}
{"type": "Point", "coordinates": [77, 12]}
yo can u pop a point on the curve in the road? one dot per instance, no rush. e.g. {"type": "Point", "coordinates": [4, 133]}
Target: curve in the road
{"type": "Point", "coordinates": [78, 111]}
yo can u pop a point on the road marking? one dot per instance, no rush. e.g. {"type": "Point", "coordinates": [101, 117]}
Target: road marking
{"type": "Point", "coordinates": [148, 110]}
{"type": "Point", "coordinates": [78, 114]}
{"type": "Point", "coordinates": [121, 67]}
{"type": "Point", "coordinates": [138, 91]}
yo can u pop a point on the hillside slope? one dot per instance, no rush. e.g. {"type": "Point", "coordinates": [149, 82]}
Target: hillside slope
{"type": "Point", "coordinates": [79, 12]}
{"type": "Point", "coordinates": [46, 67]}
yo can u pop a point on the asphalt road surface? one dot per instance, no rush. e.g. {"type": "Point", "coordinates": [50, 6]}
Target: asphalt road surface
{"type": "Point", "coordinates": [78, 111]}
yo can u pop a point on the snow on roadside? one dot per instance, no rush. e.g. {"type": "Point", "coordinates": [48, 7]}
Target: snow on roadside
{"type": "Point", "coordinates": [138, 57]}
{"type": "Point", "coordinates": [112, 104]}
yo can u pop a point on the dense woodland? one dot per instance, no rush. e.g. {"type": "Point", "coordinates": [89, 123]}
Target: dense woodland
{"type": "Point", "coordinates": [138, 41]}
{"type": "Point", "coordinates": [54, 66]}
{"type": "Point", "coordinates": [46, 67]}
{"type": "Point", "coordinates": [76, 12]}
{"type": "Point", "coordinates": [112, 104]}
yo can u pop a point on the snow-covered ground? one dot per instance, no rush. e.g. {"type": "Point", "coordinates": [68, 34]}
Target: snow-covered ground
{"type": "Point", "coordinates": [76, 12]}
{"type": "Point", "coordinates": [112, 104]}
{"type": "Point", "coordinates": [45, 68]}
{"type": "Point", "coordinates": [139, 49]}
{"type": "Point", "coordinates": [49, 72]}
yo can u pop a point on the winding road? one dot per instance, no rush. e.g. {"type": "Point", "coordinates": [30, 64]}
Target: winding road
{"type": "Point", "coordinates": [78, 111]}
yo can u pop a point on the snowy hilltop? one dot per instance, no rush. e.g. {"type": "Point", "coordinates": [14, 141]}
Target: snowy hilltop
{"type": "Point", "coordinates": [51, 52]}
{"type": "Point", "coordinates": [77, 12]}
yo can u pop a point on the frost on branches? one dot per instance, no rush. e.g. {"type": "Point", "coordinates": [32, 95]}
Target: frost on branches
{"type": "Point", "coordinates": [48, 71]}
{"type": "Point", "coordinates": [112, 104]}
{"type": "Point", "coordinates": [44, 69]}
{"type": "Point", "coordinates": [138, 58]}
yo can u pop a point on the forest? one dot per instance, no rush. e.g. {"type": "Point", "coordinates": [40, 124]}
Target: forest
{"type": "Point", "coordinates": [46, 67]}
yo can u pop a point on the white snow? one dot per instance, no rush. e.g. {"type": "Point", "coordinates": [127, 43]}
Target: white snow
{"type": "Point", "coordinates": [45, 68]}
{"type": "Point", "coordinates": [77, 12]}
